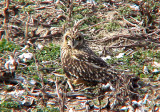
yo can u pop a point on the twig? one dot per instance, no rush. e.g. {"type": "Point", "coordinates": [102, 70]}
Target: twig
{"type": "Point", "coordinates": [57, 89]}
{"type": "Point", "coordinates": [26, 31]}
{"type": "Point", "coordinates": [7, 3]}
{"type": "Point", "coordinates": [138, 37]}
{"type": "Point", "coordinates": [135, 20]}
{"type": "Point", "coordinates": [79, 23]}
{"type": "Point", "coordinates": [94, 25]}
{"type": "Point", "coordinates": [70, 3]}
{"type": "Point", "coordinates": [129, 23]}
{"type": "Point", "coordinates": [6, 15]}
{"type": "Point", "coordinates": [60, 97]}
{"type": "Point", "coordinates": [129, 46]}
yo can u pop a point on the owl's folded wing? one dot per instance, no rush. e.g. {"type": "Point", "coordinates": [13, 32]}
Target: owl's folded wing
{"type": "Point", "coordinates": [91, 59]}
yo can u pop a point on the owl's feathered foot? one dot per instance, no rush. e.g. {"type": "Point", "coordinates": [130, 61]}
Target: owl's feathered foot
{"type": "Point", "coordinates": [79, 81]}
{"type": "Point", "coordinates": [70, 84]}
{"type": "Point", "coordinates": [76, 81]}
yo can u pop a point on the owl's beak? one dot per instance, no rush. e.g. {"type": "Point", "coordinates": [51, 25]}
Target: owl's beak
{"type": "Point", "coordinates": [73, 43]}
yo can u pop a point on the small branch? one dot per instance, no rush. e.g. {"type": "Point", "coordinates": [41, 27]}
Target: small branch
{"type": "Point", "coordinates": [79, 23]}
{"type": "Point", "coordinates": [129, 23]}
{"type": "Point", "coordinates": [135, 20]}
{"type": "Point", "coordinates": [129, 46]}
{"type": "Point", "coordinates": [26, 31]}
{"type": "Point", "coordinates": [57, 89]}
{"type": "Point", "coordinates": [94, 25]}
{"type": "Point", "coordinates": [138, 37]}
{"type": "Point", "coordinates": [7, 3]}
{"type": "Point", "coordinates": [60, 97]}
{"type": "Point", "coordinates": [6, 15]}
{"type": "Point", "coordinates": [70, 3]}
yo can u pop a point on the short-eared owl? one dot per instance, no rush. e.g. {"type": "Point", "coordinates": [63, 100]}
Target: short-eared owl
{"type": "Point", "coordinates": [80, 62]}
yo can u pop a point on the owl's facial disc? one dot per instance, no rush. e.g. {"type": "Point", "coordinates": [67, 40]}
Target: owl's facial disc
{"type": "Point", "coordinates": [74, 42]}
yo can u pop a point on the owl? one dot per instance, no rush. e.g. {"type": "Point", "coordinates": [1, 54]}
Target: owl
{"type": "Point", "coordinates": [80, 63]}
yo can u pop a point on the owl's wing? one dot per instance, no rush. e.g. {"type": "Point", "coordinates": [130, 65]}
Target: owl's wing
{"type": "Point", "coordinates": [91, 59]}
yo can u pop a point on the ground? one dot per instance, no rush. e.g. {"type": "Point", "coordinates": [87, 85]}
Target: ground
{"type": "Point", "coordinates": [123, 33]}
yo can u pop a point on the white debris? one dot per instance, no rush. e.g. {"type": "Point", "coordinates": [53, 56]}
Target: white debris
{"type": "Point", "coordinates": [124, 108]}
{"type": "Point", "coordinates": [16, 93]}
{"type": "Point", "coordinates": [40, 47]}
{"type": "Point", "coordinates": [111, 87]}
{"type": "Point", "coordinates": [120, 55]}
{"type": "Point", "coordinates": [145, 70]}
{"type": "Point", "coordinates": [134, 102]}
{"type": "Point", "coordinates": [26, 56]}
{"type": "Point", "coordinates": [50, 103]}
{"type": "Point", "coordinates": [155, 71]}
{"type": "Point", "coordinates": [28, 101]}
{"type": "Point", "coordinates": [145, 99]}
{"type": "Point", "coordinates": [156, 64]}
{"type": "Point", "coordinates": [106, 58]}
{"type": "Point", "coordinates": [20, 78]}
{"type": "Point", "coordinates": [11, 64]}
{"type": "Point", "coordinates": [25, 47]}
{"type": "Point", "coordinates": [33, 82]}
{"type": "Point", "coordinates": [91, 2]}
{"type": "Point", "coordinates": [106, 5]}
{"type": "Point", "coordinates": [71, 110]}
{"type": "Point", "coordinates": [127, 108]}
{"type": "Point", "coordinates": [108, 85]}
{"type": "Point", "coordinates": [134, 7]}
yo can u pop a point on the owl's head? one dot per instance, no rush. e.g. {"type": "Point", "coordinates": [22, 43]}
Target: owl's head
{"type": "Point", "coordinates": [73, 39]}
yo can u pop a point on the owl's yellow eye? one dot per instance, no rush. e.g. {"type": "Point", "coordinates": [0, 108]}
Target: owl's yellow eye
{"type": "Point", "coordinates": [67, 37]}
{"type": "Point", "coordinates": [78, 38]}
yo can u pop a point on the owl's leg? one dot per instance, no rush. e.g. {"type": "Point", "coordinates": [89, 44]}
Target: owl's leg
{"type": "Point", "coordinates": [68, 80]}
{"type": "Point", "coordinates": [70, 85]}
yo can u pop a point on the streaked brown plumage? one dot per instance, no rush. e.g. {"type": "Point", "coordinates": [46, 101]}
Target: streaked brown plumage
{"type": "Point", "coordinates": [80, 62]}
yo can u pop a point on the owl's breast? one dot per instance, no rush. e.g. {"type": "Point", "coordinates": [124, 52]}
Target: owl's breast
{"type": "Point", "coordinates": [70, 65]}
{"type": "Point", "coordinates": [77, 64]}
